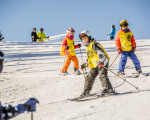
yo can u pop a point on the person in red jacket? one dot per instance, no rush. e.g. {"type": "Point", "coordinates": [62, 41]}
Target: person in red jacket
{"type": "Point", "coordinates": [68, 49]}
{"type": "Point", "coordinates": [126, 46]}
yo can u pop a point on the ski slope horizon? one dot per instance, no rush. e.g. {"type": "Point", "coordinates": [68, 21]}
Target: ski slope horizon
{"type": "Point", "coordinates": [32, 70]}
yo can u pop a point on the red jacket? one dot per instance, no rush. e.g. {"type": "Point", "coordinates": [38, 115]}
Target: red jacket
{"type": "Point", "coordinates": [117, 40]}
{"type": "Point", "coordinates": [64, 45]}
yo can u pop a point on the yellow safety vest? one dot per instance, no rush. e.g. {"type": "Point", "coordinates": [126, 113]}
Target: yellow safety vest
{"type": "Point", "coordinates": [93, 56]}
{"type": "Point", "coordinates": [42, 36]}
{"type": "Point", "coordinates": [71, 49]}
{"type": "Point", "coordinates": [125, 40]}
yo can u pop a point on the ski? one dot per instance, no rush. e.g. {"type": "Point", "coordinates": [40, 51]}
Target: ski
{"type": "Point", "coordinates": [134, 75]}
{"type": "Point", "coordinates": [72, 74]}
{"type": "Point", "coordinates": [91, 97]}
{"type": "Point", "coordinates": [137, 75]}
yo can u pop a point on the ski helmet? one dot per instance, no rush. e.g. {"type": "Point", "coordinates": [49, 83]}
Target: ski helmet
{"type": "Point", "coordinates": [85, 33]}
{"type": "Point", "coordinates": [113, 26]}
{"type": "Point", "coordinates": [124, 23]}
{"type": "Point", "coordinates": [70, 30]}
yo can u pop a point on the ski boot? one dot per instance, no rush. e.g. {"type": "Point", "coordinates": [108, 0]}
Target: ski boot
{"type": "Point", "coordinates": [85, 94]}
{"type": "Point", "coordinates": [77, 72]}
{"type": "Point", "coordinates": [139, 71]}
{"type": "Point", "coordinates": [122, 74]}
{"type": "Point", "coordinates": [107, 92]}
{"type": "Point", "coordinates": [64, 73]}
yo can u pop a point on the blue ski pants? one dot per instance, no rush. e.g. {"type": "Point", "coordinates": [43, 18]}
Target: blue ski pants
{"type": "Point", "coordinates": [123, 60]}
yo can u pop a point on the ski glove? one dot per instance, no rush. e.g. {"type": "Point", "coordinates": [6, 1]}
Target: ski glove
{"type": "Point", "coordinates": [79, 45]}
{"type": "Point", "coordinates": [84, 65]}
{"type": "Point", "coordinates": [67, 47]}
{"type": "Point", "coordinates": [100, 64]}
{"type": "Point", "coordinates": [119, 51]}
{"type": "Point", "coordinates": [133, 49]}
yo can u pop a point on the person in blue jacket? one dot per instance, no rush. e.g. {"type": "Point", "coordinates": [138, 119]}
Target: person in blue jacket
{"type": "Point", "coordinates": [9, 112]}
{"type": "Point", "coordinates": [113, 31]}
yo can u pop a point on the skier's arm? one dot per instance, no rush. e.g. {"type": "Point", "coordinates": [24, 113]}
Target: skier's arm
{"type": "Point", "coordinates": [45, 36]}
{"type": "Point", "coordinates": [64, 43]}
{"type": "Point", "coordinates": [102, 57]}
{"type": "Point", "coordinates": [117, 42]}
{"type": "Point", "coordinates": [111, 32]}
{"type": "Point", "coordinates": [32, 35]}
{"type": "Point", "coordinates": [133, 42]}
{"type": "Point", "coordinates": [38, 35]}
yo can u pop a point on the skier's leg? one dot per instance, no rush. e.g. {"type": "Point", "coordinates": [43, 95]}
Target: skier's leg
{"type": "Point", "coordinates": [123, 61]}
{"type": "Point", "coordinates": [135, 60]}
{"type": "Point", "coordinates": [75, 63]}
{"type": "Point", "coordinates": [67, 63]}
{"type": "Point", "coordinates": [104, 78]}
{"type": "Point", "coordinates": [89, 80]}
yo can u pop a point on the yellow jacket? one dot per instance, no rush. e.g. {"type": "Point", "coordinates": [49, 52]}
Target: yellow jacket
{"type": "Point", "coordinates": [41, 36]}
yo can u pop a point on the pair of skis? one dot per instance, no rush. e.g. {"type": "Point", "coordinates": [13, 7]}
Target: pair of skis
{"type": "Point", "coordinates": [91, 97]}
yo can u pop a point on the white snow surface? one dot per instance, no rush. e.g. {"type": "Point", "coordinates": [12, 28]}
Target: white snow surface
{"type": "Point", "coordinates": [32, 70]}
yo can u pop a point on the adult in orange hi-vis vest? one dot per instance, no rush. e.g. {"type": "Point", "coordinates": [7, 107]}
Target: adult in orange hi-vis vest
{"type": "Point", "coordinates": [126, 46]}
{"type": "Point", "coordinates": [68, 49]}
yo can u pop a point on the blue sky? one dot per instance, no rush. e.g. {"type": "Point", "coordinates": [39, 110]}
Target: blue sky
{"type": "Point", "coordinates": [19, 17]}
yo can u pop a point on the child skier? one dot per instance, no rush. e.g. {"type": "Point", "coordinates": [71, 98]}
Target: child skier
{"type": "Point", "coordinates": [113, 31]}
{"type": "Point", "coordinates": [68, 49]}
{"type": "Point", "coordinates": [126, 46]}
{"type": "Point", "coordinates": [97, 58]}
{"type": "Point", "coordinates": [10, 111]}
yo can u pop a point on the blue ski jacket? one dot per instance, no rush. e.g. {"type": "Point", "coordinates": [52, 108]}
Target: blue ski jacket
{"type": "Point", "coordinates": [113, 31]}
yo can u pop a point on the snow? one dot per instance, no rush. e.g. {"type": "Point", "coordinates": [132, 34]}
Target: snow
{"type": "Point", "coordinates": [32, 70]}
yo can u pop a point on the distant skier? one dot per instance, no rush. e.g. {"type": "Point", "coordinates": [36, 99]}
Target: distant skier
{"type": "Point", "coordinates": [10, 111]}
{"type": "Point", "coordinates": [68, 49]}
{"type": "Point", "coordinates": [1, 61]}
{"type": "Point", "coordinates": [126, 46]}
{"type": "Point", "coordinates": [34, 35]}
{"type": "Point", "coordinates": [113, 31]}
{"type": "Point", "coordinates": [41, 36]}
{"type": "Point", "coordinates": [97, 58]}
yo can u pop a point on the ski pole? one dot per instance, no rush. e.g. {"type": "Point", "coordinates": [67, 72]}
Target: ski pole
{"type": "Point", "coordinates": [65, 55]}
{"type": "Point", "coordinates": [107, 37]}
{"type": "Point", "coordinates": [122, 78]}
{"type": "Point", "coordinates": [31, 115]}
{"type": "Point", "coordinates": [114, 61]}
{"type": "Point", "coordinates": [82, 62]}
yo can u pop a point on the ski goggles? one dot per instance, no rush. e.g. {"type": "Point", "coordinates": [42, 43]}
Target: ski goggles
{"type": "Point", "coordinates": [82, 35]}
{"type": "Point", "coordinates": [124, 25]}
{"type": "Point", "coordinates": [71, 30]}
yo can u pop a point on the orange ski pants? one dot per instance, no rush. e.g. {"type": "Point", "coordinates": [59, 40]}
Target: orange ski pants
{"type": "Point", "coordinates": [68, 61]}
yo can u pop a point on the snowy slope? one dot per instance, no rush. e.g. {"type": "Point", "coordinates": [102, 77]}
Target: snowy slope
{"type": "Point", "coordinates": [32, 70]}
